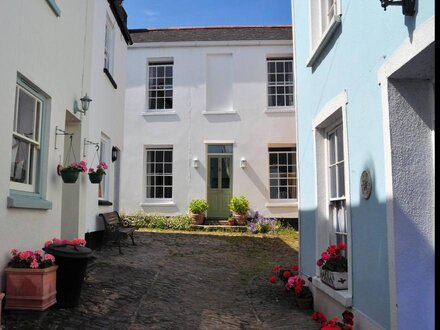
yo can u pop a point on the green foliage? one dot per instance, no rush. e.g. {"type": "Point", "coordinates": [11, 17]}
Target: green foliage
{"type": "Point", "coordinates": [198, 206]}
{"type": "Point", "coordinates": [141, 219]}
{"type": "Point", "coordinates": [239, 205]}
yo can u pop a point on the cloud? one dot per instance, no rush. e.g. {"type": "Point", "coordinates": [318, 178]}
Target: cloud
{"type": "Point", "coordinates": [150, 13]}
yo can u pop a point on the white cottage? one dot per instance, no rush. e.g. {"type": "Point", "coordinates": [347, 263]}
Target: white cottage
{"type": "Point", "coordinates": [53, 53]}
{"type": "Point", "coordinates": [210, 113]}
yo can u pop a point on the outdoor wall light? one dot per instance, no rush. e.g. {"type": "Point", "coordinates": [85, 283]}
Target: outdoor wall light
{"type": "Point", "coordinates": [195, 162]}
{"type": "Point", "coordinates": [243, 162]}
{"type": "Point", "coordinates": [85, 102]}
{"type": "Point", "coordinates": [408, 6]}
{"type": "Point", "coordinates": [115, 153]}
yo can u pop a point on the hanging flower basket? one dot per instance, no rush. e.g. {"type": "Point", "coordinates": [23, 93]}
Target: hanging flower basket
{"type": "Point", "coordinates": [95, 177]}
{"type": "Point", "coordinates": [69, 176]}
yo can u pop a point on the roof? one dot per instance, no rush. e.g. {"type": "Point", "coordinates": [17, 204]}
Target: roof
{"type": "Point", "coordinates": [212, 33]}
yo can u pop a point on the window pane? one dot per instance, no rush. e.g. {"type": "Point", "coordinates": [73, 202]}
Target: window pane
{"type": "Point", "coordinates": [340, 143]}
{"type": "Point", "coordinates": [272, 101]}
{"type": "Point", "coordinates": [168, 180]}
{"type": "Point", "coordinates": [333, 182]}
{"type": "Point", "coordinates": [213, 173]}
{"type": "Point", "coordinates": [226, 173]}
{"type": "Point", "coordinates": [168, 192]}
{"type": "Point", "coordinates": [159, 192]}
{"type": "Point", "coordinates": [159, 168]}
{"type": "Point", "coordinates": [168, 156]}
{"type": "Point", "coordinates": [341, 180]}
{"type": "Point", "coordinates": [21, 161]}
{"type": "Point", "coordinates": [26, 115]}
{"type": "Point", "coordinates": [273, 192]}
{"type": "Point", "coordinates": [168, 168]}
{"type": "Point", "coordinates": [220, 149]}
{"type": "Point", "coordinates": [332, 141]}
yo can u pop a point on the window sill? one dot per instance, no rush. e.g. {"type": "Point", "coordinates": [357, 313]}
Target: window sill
{"type": "Point", "coordinates": [104, 202]}
{"type": "Point", "coordinates": [343, 297]}
{"type": "Point", "coordinates": [110, 77]}
{"type": "Point", "coordinates": [167, 203]}
{"type": "Point", "coordinates": [326, 36]}
{"type": "Point", "coordinates": [24, 200]}
{"type": "Point", "coordinates": [158, 113]}
{"type": "Point", "coordinates": [226, 112]}
{"type": "Point", "coordinates": [285, 204]}
{"type": "Point", "coordinates": [280, 110]}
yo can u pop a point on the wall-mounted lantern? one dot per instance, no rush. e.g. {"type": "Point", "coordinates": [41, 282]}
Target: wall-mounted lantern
{"type": "Point", "coordinates": [243, 162]}
{"type": "Point", "coordinates": [115, 154]}
{"type": "Point", "coordinates": [195, 162]}
{"type": "Point", "coordinates": [408, 6]}
{"type": "Point", "coordinates": [85, 102]}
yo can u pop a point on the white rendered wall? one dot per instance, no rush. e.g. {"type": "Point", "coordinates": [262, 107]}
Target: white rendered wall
{"type": "Point", "coordinates": [48, 50]}
{"type": "Point", "coordinates": [56, 54]}
{"type": "Point", "coordinates": [251, 128]}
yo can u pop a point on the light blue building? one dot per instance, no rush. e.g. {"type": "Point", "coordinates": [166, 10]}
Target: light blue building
{"type": "Point", "coordinates": [365, 119]}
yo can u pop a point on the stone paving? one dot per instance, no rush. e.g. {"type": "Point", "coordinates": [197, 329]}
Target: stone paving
{"type": "Point", "coordinates": [179, 281]}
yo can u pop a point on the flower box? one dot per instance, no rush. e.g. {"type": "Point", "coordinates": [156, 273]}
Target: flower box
{"type": "Point", "coordinates": [30, 289]}
{"type": "Point", "coordinates": [335, 280]}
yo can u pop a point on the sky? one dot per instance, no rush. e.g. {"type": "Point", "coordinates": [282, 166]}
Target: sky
{"type": "Point", "coordinates": [184, 13]}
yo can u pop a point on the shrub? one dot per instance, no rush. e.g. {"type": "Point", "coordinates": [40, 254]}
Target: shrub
{"type": "Point", "coordinates": [261, 225]}
{"type": "Point", "coordinates": [198, 206]}
{"type": "Point", "coordinates": [239, 205]}
{"type": "Point", "coordinates": [141, 219]}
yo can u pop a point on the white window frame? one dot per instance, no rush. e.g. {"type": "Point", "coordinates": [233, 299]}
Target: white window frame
{"type": "Point", "coordinates": [155, 88]}
{"type": "Point", "coordinates": [284, 83]}
{"type": "Point", "coordinates": [109, 41]}
{"type": "Point", "coordinates": [34, 144]}
{"type": "Point", "coordinates": [318, 42]}
{"type": "Point", "coordinates": [165, 200]}
{"type": "Point", "coordinates": [333, 114]}
{"type": "Point", "coordinates": [104, 156]}
{"type": "Point", "coordinates": [293, 175]}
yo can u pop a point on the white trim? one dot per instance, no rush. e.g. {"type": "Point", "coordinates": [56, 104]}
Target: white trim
{"type": "Point", "coordinates": [218, 141]}
{"type": "Point", "coordinates": [324, 120]}
{"type": "Point", "coordinates": [286, 204]}
{"type": "Point", "coordinates": [423, 36]}
{"type": "Point", "coordinates": [326, 35]}
{"type": "Point", "coordinates": [343, 297]}
{"type": "Point", "coordinates": [165, 203]}
{"type": "Point", "coordinates": [219, 112]}
{"type": "Point", "coordinates": [158, 113]}
{"type": "Point", "coordinates": [165, 44]}
{"type": "Point", "coordinates": [280, 109]}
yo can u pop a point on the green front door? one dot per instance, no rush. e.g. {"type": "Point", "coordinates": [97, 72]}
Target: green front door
{"type": "Point", "coordinates": [219, 185]}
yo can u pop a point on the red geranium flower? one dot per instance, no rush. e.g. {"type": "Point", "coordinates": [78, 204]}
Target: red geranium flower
{"type": "Point", "coordinates": [341, 246]}
{"type": "Point", "coordinates": [273, 279]}
{"type": "Point", "coordinates": [294, 267]}
{"type": "Point", "coordinates": [287, 274]}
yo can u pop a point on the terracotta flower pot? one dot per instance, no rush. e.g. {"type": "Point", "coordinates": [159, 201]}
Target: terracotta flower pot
{"type": "Point", "coordinates": [197, 219]}
{"type": "Point", "coordinates": [69, 176]}
{"type": "Point", "coordinates": [241, 219]}
{"type": "Point", "coordinates": [30, 289]}
{"type": "Point", "coordinates": [95, 177]}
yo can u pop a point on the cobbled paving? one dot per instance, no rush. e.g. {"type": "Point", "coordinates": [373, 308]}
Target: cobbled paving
{"type": "Point", "coordinates": [179, 281]}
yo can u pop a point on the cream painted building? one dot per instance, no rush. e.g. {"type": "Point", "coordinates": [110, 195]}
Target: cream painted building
{"type": "Point", "coordinates": [210, 113]}
{"type": "Point", "coordinates": [53, 53]}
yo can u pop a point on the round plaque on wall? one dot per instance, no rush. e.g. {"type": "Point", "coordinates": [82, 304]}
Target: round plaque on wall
{"type": "Point", "coordinates": [366, 184]}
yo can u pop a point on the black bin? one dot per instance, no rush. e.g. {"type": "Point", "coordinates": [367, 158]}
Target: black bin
{"type": "Point", "coordinates": [72, 263]}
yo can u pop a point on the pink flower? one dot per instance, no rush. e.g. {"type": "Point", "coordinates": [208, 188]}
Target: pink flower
{"type": "Point", "coordinates": [14, 252]}
{"type": "Point", "coordinates": [91, 169]}
{"type": "Point", "coordinates": [49, 257]}
{"type": "Point", "coordinates": [102, 165]}
{"type": "Point", "coordinates": [34, 264]}
{"type": "Point", "coordinates": [325, 256]}
{"type": "Point", "coordinates": [319, 262]}
{"type": "Point", "coordinates": [24, 255]}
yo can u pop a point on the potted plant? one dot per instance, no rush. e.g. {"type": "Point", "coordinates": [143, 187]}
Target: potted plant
{"type": "Point", "coordinates": [197, 208]}
{"type": "Point", "coordinates": [345, 324]}
{"type": "Point", "coordinates": [70, 173]}
{"type": "Point", "coordinates": [239, 207]}
{"type": "Point", "coordinates": [334, 267]}
{"type": "Point", "coordinates": [96, 176]}
{"type": "Point", "coordinates": [30, 280]}
{"type": "Point", "coordinates": [293, 282]}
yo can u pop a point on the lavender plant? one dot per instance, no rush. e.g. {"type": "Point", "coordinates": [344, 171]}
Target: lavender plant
{"type": "Point", "coordinates": [262, 225]}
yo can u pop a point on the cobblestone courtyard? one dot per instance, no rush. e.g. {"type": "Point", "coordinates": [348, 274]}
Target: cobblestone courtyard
{"type": "Point", "coordinates": [175, 280]}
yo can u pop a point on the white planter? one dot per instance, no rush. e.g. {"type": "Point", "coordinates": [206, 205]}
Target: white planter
{"type": "Point", "coordinates": [335, 280]}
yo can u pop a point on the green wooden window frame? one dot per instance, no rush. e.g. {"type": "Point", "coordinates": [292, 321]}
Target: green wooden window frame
{"type": "Point", "coordinates": [34, 199]}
